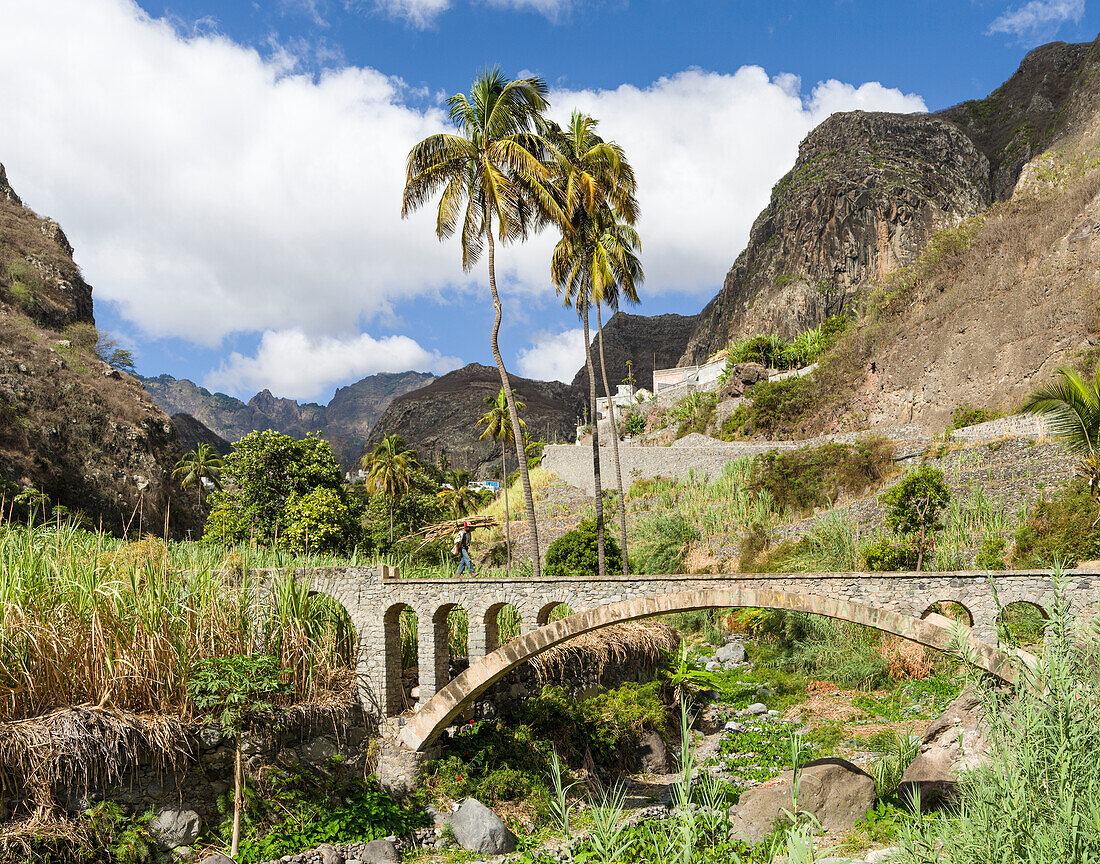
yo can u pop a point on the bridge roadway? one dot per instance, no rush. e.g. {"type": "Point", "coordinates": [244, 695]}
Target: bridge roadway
{"type": "Point", "coordinates": [893, 602]}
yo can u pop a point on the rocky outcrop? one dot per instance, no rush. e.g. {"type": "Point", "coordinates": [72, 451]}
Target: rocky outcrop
{"type": "Point", "coordinates": [1021, 117]}
{"type": "Point", "coordinates": [478, 829]}
{"type": "Point", "coordinates": [85, 434]}
{"type": "Point", "coordinates": [867, 192]}
{"type": "Point", "coordinates": [439, 419]}
{"type": "Point", "coordinates": [345, 422]}
{"type": "Point", "coordinates": [648, 341]}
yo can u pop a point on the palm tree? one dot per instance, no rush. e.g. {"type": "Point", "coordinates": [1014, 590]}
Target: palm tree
{"type": "Point", "coordinates": [498, 428]}
{"type": "Point", "coordinates": [1072, 408]}
{"type": "Point", "coordinates": [391, 469]}
{"type": "Point", "coordinates": [624, 274]}
{"type": "Point", "coordinates": [594, 185]}
{"type": "Point", "coordinates": [491, 170]}
{"type": "Point", "coordinates": [200, 465]}
{"type": "Point", "coordinates": [459, 497]}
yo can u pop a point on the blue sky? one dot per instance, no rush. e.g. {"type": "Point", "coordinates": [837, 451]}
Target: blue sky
{"type": "Point", "coordinates": [230, 172]}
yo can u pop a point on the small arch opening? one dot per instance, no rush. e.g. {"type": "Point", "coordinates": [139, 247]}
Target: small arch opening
{"type": "Point", "coordinates": [1022, 624]}
{"type": "Point", "coordinates": [400, 626]}
{"type": "Point", "coordinates": [502, 624]}
{"type": "Point", "coordinates": [952, 609]}
{"type": "Point", "coordinates": [553, 612]}
{"type": "Point", "coordinates": [452, 641]}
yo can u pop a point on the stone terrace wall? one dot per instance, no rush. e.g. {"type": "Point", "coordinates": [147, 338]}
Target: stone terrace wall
{"type": "Point", "coordinates": [573, 464]}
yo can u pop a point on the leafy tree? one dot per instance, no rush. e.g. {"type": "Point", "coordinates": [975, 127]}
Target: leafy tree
{"type": "Point", "coordinates": [237, 690]}
{"type": "Point", "coordinates": [1072, 409]}
{"type": "Point", "coordinates": [201, 464]}
{"type": "Point", "coordinates": [263, 474]}
{"type": "Point", "coordinates": [914, 505]}
{"type": "Point", "coordinates": [391, 469]}
{"type": "Point", "coordinates": [491, 170]}
{"type": "Point", "coordinates": [595, 261]}
{"type": "Point", "coordinates": [498, 427]}
{"type": "Point", "coordinates": [320, 521]}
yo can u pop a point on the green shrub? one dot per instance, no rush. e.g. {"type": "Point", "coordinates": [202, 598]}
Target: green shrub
{"type": "Point", "coordinates": [816, 476]}
{"type": "Point", "coordinates": [774, 404]}
{"type": "Point", "coordinates": [991, 555]}
{"type": "Point", "coordinates": [663, 543]}
{"type": "Point", "coordinates": [575, 552]}
{"type": "Point", "coordinates": [633, 423]}
{"type": "Point", "coordinates": [1060, 529]}
{"type": "Point", "coordinates": [967, 415]}
{"type": "Point", "coordinates": [846, 654]}
{"type": "Point", "coordinates": [693, 413]}
{"type": "Point", "coordinates": [886, 554]}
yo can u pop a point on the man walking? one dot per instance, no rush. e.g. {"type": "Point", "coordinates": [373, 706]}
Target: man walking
{"type": "Point", "coordinates": [462, 549]}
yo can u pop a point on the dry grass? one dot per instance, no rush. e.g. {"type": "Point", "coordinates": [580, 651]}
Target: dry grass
{"type": "Point", "coordinates": [650, 640]}
{"type": "Point", "coordinates": [82, 749]}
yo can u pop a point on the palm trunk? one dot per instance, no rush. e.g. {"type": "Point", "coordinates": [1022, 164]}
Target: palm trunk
{"type": "Point", "coordinates": [595, 447]}
{"type": "Point", "coordinates": [507, 512]}
{"type": "Point", "coordinates": [614, 439]}
{"type": "Point", "coordinates": [391, 522]}
{"type": "Point", "coordinates": [238, 796]}
{"type": "Point", "coordinates": [529, 499]}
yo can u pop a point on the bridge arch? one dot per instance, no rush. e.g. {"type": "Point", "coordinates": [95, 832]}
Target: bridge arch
{"type": "Point", "coordinates": [934, 631]}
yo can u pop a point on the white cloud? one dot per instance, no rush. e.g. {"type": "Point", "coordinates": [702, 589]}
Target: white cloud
{"type": "Point", "coordinates": [418, 13]}
{"type": "Point", "coordinates": [553, 356]}
{"type": "Point", "coordinates": [1038, 19]}
{"type": "Point", "coordinates": [210, 190]}
{"type": "Point", "coordinates": [706, 148]}
{"type": "Point", "coordinates": [291, 364]}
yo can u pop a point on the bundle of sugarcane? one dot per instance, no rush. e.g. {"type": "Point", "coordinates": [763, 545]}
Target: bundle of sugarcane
{"type": "Point", "coordinates": [446, 530]}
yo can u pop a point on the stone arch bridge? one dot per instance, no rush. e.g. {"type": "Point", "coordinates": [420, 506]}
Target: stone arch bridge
{"type": "Point", "coordinates": [898, 603]}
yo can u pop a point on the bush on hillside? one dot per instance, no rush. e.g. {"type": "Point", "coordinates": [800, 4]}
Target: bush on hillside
{"type": "Point", "coordinates": [575, 552]}
{"type": "Point", "coordinates": [774, 404]}
{"type": "Point", "coordinates": [663, 542]}
{"type": "Point", "coordinates": [886, 554]}
{"type": "Point", "coordinates": [967, 415]}
{"type": "Point", "coordinates": [1060, 529]}
{"type": "Point", "coordinates": [816, 476]}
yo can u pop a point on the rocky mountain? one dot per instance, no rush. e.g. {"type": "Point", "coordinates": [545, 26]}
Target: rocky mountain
{"type": "Point", "coordinates": [439, 419]}
{"type": "Point", "coordinates": [648, 341]}
{"type": "Point", "coordinates": [868, 191]}
{"type": "Point", "coordinates": [344, 422]}
{"type": "Point", "coordinates": [192, 433]}
{"type": "Point", "coordinates": [71, 425]}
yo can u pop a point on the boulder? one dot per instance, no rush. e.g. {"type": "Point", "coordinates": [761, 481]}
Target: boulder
{"type": "Point", "coordinates": [734, 652]}
{"type": "Point", "coordinates": [380, 852]}
{"type": "Point", "coordinates": [172, 828]}
{"type": "Point", "coordinates": [652, 755]}
{"type": "Point", "coordinates": [742, 376]}
{"type": "Point", "coordinates": [330, 854]}
{"type": "Point", "coordinates": [954, 743]}
{"type": "Point", "coordinates": [835, 791]}
{"type": "Point", "coordinates": [757, 708]}
{"type": "Point", "coordinates": [479, 829]}
{"type": "Point", "coordinates": [217, 858]}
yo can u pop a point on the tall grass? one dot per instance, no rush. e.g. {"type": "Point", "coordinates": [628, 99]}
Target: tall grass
{"type": "Point", "coordinates": [1038, 798]}
{"type": "Point", "coordinates": [85, 618]}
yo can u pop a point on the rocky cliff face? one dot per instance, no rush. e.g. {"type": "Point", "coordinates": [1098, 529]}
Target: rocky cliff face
{"type": "Point", "coordinates": [648, 341]}
{"type": "Point", "coordinates": [867, 192]}
{"type": "Point", "coordinates": [439, 419]}
{"type": "Point", "coordinates": [344, 422]}
{"type": "Point", "coordinates": [71, 426]}
{"type": "Point", "coordinates": [192, 433]}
